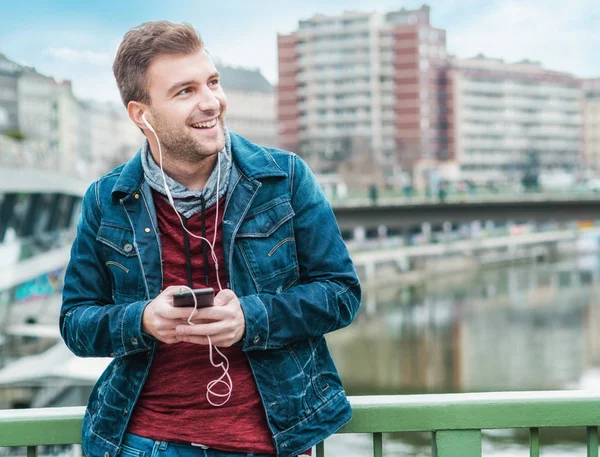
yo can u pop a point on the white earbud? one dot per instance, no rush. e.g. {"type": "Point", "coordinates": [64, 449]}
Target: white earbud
{"type": "Point", "coordinates": [147, 123]}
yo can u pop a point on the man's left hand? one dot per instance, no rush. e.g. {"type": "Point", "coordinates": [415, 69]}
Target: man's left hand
{"type": "Point", "coordinates": [223, 322]}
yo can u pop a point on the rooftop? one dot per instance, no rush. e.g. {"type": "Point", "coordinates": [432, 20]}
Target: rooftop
{"type": "Point", "coordinates": [244, 79]}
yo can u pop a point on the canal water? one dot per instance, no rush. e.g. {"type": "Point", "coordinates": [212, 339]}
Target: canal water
{"type": "Point", "coordinates": [517, 327]}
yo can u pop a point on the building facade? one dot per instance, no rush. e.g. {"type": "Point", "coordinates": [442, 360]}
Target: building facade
{"type": "Point", "coordinates": [381, 90]}
{"type": "Point", "coordinates": [364, 87]}
{"type": "Point", "coordinates": [107, 138]}
{"type": "Point", "coordinates": [250, 104]}
{"type": "Point", "coordinates": [27, 111]}
{"type": "Point", "coordinates": [513, 118]}
{"type": "Point", "coordinates": [67, 125]}
{"type": "Point", "coordinates": [591, 122]}
{"type": "Point", "coordinates": [9, 105]}
{"type": "Point", "coordinates": [36, 108]}
{"type": "Point", "coordinates": [37, 116]}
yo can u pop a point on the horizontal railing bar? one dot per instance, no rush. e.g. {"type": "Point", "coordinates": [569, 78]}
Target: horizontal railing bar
{"type": "Point", "coordinates": [371, 414]}
{"type": "Point", "coordinates": [410, 413]}
{"type": "Point", "coordinates": [40, 426]}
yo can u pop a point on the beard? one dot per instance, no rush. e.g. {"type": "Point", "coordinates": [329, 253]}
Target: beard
{"type": "Point", "coordinates": [180, 145]}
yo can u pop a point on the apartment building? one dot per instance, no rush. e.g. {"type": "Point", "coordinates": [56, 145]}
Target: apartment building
{"type": "Point", "coordinates": [383, 88]}
{"type": "Point", "coordinates": [513, 117]}
{"type": "Point", "coordinates": [364, 84]}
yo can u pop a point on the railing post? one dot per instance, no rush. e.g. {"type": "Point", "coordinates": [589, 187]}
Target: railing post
{"type": "Point", "coordinates": [377, 444]}
{"type": "Point", "coordinates": [321, 449]}
{"type": "Point", "coordinates": [534, 442]}
{"type": "Point", "coordinates": [592, 441]}
{"type": "Point", "coordinates": [456, 443]}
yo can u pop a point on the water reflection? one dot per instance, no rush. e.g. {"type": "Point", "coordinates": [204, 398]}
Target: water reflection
{"type": "Point", "coordinates": [518, 327]}
{"type": "Point", "coordinates": [521, 327]}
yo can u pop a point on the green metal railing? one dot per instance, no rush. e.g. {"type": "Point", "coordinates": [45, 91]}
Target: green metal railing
{"type": "Point", "coordinates": [455, 420]}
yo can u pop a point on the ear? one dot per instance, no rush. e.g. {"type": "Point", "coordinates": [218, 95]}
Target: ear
{"type": "Point", "coordinates": [135, 111]}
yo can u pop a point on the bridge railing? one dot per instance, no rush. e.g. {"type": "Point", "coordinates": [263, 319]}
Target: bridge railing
{"type": "Point", "coordinates": [454, 420]}
{"type": "Point", "coordinates": [391, 198]}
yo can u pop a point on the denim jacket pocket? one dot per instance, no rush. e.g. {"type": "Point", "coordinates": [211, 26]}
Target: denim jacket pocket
{"type": "Point", "coordinates": [122, 262]}
{"type": "Point", "coordinates": [267, 244]}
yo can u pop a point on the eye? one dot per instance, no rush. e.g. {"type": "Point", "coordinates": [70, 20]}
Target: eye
{"type": "Point", "coordinates": [214, 82]}
{"type": "Point", "coordinates": [185, 91]}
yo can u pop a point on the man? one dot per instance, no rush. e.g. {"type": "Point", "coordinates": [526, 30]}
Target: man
{"type": "Point", "coordinates": [249, 221]}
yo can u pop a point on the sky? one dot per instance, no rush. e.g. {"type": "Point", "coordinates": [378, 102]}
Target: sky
{"type": "Point", "coordinates": [77, 40]}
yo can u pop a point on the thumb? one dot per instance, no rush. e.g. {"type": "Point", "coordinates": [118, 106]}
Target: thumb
{"type": "Point", "coordinates": [224, 297]}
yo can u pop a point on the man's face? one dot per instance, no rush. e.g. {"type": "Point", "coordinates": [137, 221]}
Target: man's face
{"type": "Point", "coordinates": [188, 106]}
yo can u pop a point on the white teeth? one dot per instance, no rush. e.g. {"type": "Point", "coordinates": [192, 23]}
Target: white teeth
{"type": "Point", "coordinates": [205, 124]}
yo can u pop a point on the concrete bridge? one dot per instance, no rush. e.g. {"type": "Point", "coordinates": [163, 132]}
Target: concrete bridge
{"type": "Point", "coordinates": [403, 215]}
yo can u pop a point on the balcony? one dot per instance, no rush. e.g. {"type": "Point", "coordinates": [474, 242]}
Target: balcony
{"type": "Point", "coordinates": [455, 421]}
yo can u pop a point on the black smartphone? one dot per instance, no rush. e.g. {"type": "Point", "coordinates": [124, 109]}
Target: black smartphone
{"type": "Point", "coordinates": [184, 298]}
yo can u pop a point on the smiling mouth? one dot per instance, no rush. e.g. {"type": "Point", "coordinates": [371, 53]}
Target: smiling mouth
{"type": "Point", "coordinates": [205, 125]}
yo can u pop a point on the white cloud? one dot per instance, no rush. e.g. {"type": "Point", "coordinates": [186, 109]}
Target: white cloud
{"type": "Point", "coordinates": [77, 56]}
{"type": "Point", "coordinates": [558, 34]}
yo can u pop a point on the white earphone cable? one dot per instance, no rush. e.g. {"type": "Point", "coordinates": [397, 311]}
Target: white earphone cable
{"type": "Point", "coordinates": [225, 378]}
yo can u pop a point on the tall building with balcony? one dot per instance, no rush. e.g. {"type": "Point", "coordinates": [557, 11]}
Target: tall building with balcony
{"type": "Point", "coordinates": [511, 118]}
{"type": "Point", "coordinates": [365, 85]}
{"type": "Point", "coordinates": [250, 104]}
{"type": "Point", "coordinates": [591, 122]}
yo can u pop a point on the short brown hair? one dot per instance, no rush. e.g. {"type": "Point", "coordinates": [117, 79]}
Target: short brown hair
{"type": "Point", "coordinates": [141, 45]}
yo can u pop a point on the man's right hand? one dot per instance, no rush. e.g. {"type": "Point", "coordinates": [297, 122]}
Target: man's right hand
{"type": "Point", "coordinates": [160, 317]}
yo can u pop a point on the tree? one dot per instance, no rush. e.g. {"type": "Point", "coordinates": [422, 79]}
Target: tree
{"type": "Point", "coordinates": [15, 135]}
{"type": "Point", "coordinates": [530, 179]}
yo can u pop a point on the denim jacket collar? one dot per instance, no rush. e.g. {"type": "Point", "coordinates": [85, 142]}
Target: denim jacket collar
{"type": "Point", "coordinates": [252, 161]}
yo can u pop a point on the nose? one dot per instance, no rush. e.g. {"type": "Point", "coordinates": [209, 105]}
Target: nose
{"type": "Point", "coordinates": [207, 101]}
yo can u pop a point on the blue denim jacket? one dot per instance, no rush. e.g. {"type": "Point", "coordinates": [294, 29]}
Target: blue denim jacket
{"type": "Point", "coordinates": [285, 259]}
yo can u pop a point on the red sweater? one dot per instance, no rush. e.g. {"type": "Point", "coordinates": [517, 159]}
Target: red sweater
{"type": "Point", "coordinates": [172, 405]}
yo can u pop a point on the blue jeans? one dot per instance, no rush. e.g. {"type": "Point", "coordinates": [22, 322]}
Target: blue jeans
{"type": "Point", "coordinates": [137, 446]}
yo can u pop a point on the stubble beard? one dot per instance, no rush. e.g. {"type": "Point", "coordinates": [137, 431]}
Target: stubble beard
{"type": "Point", "coordinates": [182, 146]}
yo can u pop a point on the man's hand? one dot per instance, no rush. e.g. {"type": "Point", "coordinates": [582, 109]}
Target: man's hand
{"type": "Point", "coordinates": [224, 322]}
{"type": "Point", "coordinates": [161, 318]}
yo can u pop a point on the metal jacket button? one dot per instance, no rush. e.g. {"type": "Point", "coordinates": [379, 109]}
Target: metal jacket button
{"type": "Point", "coordinates": [133, 341]}
{"type": "Point", "coordinates": [128, 247]}
{"type": "Point", "coordinates": [256, 339]}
